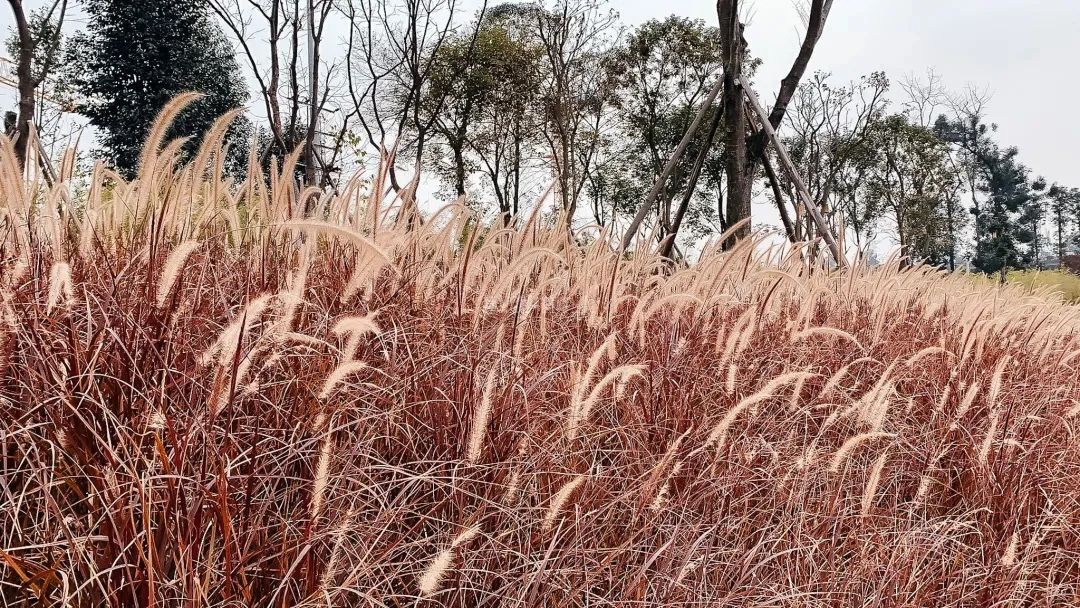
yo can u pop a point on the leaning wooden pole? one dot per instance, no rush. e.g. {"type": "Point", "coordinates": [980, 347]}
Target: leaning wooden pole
{"type": "Point", "coordinates": [646, 205]}
{"type": "Point", "coordinates": [789, 167]}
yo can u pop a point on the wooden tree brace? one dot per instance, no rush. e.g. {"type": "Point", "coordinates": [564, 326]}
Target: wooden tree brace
{"type": "Point", "coordinates": [789, 168]}
{"type": "Point", "coordinates": [669, 167]}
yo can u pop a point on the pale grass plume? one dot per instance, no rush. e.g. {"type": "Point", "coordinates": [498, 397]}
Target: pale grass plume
{"type": "Point", "coordinates": [870, 491]}
{"type": "Point", "coordinates": [558, 501]}
{"type": "Point", "coordinates": [340, 373]}
{"type": "Point", "coordinates": [965, 405]}
{"type": "Point", "coordinates": [925, 480]}
{"type": "Point", "coordinates": [322, 475]}
{"type": "Point", "coordinates": [156, 421]}
{"type": "Point", "coordinates": [676, 300]}
{"type": "Point", "coordinates": [929, 351]}
{"type": "Point", "coordinates": [171, 270]}
{"type": "Point", "coordinates": [481, 416]}
{"type": "Point", "coordinates": [988, 441]}
{"type": "Point", "coordinates": [738, 336]}
{"type": "Point", "coordinates": [661, 498]}
{"type": "Point", "coordinates": [718, 436]}
{"type": "Point", "coordinates": [293, 296]}
{"type": "Point", "coordinates": [658, 470]}
{"type": "Point", "coordinates": [618, 377]}
{"type": "Point", "coordinates": [331, 564]}
{"type": "Point", "coordinates": [354, 329]}
{"type": "Point", "coordinates": [581, 383]}
{"type": "Point", "coordinates": [465, 536]}
{"type": "Point", "coordinates": [831, 332]}
{"type": "Point", "coordinates": [161, 125]}
{"type": "Point", "coordinates": [431, 580]}
{"type": "Point", "coordinates": [1067, 359]}
{"type": "Point", "coordinates": [367, 269]}
{"type": "Point", "coordinates": [841, 373]}
{"type": "Point", "coordinates": [875, 405]}
{"type": "Point", "coordinates": [61, 287]}
{"type": "Point", "coordinates": [1009, 557]}
{"type": "Point", "coordinates": [363, 243]}
{"type": "Point", "coordinates": [224, 348]}
{"type": "Point", "coordinates": [1074, 411]}
{"type": "Point", "coordinates": [945, 394]}
{"type": "Point", "coordinates": [851, 444]}
{"type": "Point", "coordinates": [995, 381]}
{"type": "Point", "coordinates": [513, 490]}
{"type": "Point", "coordinates": [299, 338]}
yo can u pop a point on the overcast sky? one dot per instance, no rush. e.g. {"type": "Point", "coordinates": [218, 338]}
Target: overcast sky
{"type": "Point", "coordinates": [1023, 51]}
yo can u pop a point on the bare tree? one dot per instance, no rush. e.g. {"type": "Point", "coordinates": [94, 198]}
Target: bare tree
{"type": "Point", "coordinates": [239, 17]}
{"type": "Point", "coordinates": [924, 98]}
{"type": "Point", "coordinates": [277, 72]}
{"type": "Point", "coordinates": [393, 46]}
{"type": "Point", "coordinates": [745, 155]}
{"type": "Point", "coordinates": [29, 79]}
{"type": "Point", "coordinates": [574, 35]}
{"type": "Point", "coordinates": [829, 130]}
{"type": "Point", "coordinates": [490, 123]}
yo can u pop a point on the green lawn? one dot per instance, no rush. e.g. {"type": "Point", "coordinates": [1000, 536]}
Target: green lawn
{"type": "Point", "coordinates": [1066, 283]}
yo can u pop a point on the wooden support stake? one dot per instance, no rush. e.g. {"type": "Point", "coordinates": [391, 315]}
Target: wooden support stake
{"type": "Point", "coordinates": [785, 160]}
{"type": "Point", "coordinates": [646, 205]}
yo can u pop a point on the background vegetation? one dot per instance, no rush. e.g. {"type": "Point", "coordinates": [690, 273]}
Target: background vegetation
{"type": "Point", "coordinates": [496, 105]}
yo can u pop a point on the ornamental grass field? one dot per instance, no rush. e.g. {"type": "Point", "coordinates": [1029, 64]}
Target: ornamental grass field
{"type": "Point", "coordinates": [240, 394]}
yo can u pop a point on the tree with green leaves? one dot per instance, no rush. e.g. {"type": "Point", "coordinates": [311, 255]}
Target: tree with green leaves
{"type": "Point", "coordinates": [136, 55]}
{"type": "Point", "coordinates": [487, 85]}
{"type": "Point", "coordinates": [575, 93]}
{"type": "Point", "coordinates": [1064, 207]}
{"type": "Point", "coordinates": [1030, 223]}
{"type": "Point", "coordinates": [1001, 190]}
{"type": "Point", "coordinates": [829, 141]}
{"type": "Point", "coordinates": [663, 75]}
{"type": "Point", "coordinates": [912, 181]}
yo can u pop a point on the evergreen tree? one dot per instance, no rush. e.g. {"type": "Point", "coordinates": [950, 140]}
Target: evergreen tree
{"type": "Point", "coordinates": [1005, 201]}
{"type": "Point", "coordinates": [1031, 220]}
{"type": "Point", "coordinates": [999, 229]}
{"type": "Point", "coordinates": [1064, 203]}
{"type": "Point", "coordinates": [136, 55]}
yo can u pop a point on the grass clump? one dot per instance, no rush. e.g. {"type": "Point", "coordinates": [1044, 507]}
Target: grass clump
{"type": "Point", "coordinates": [512, 420]}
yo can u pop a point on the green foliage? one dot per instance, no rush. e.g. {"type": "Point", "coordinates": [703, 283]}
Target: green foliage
{"type": "Point", "coordinates": [1064, 207]}
{"type": "Point", "coordinates": [136, 55]}
{"type": "Point", "coordinates": [910, 178]}
{"type": "Point", "coordinates": [48, 42]}
{"type": "Point", "coordinates": [1058, 281]}
{"type": "Point", "coordinates": [1002, 233]}
{"type": "Point", "coordinates": [829, 138]}
{"type": "Point", "coordinates": [487, 86]}
{"type": "Point", "coordinates": [663, 74]}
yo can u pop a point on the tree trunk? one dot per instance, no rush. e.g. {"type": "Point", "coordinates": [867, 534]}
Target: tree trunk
{"type": "Point", "coordinates": [774, 182]}
{"type": "Point", "coordinates": [27, 102]}
{"type": "Point", "coordinates": [745, 158]}
{"type": "Point", "coordinates": [459, 169]}
{"type": "Point", "coordinates": [695, 174]}
{"type": "Point", "coordinates": [739, 176]}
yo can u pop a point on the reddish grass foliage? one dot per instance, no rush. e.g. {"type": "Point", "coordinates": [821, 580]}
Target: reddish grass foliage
{"type": "Point", "coordinates": [503, 417]}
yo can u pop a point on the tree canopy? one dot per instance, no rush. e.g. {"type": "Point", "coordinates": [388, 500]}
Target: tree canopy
{"type": "Point", "coordinates": [136, 55]}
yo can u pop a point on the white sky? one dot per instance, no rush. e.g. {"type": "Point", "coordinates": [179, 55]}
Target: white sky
{"type": "Point", "coordinates": [1023, 51]}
